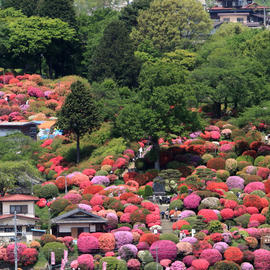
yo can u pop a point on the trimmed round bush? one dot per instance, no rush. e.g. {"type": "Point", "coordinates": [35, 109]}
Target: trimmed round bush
{"type": "Point", "coordinates": [211, 255]}
{"type": "Point", "coordinates": [123, 238]}
{"type": "Point", "coordinates": [200, 264]}
{"type": "Point", "coordinates": [254, 186]}
{"type": "Point", "coordinates": [106, 242]}
{"type": "Point", "coordinates": [216, 163]}
{"type": "Point", "coordinates": [177, 265]}
{"type": "Point", "coordinates": [57, 248]}
{"type": "Point", "coordinates": [233, 254]}
{"type": "Point", "coordinates": [58, 206]}
{"type": "Point", "coordinates": [113, 263]}
{"type": "Point", "coordinates": [145, 256]}
{"type": "Point", "coordinates": [169, 236]}
{"type": "Point", "coordinates": [192, 201]}
{"type": "Point", "coordinates": [153, 266]}
{"type": "Point", "coordinates": [128, 251]}
{"type": "Point", "coordinates": [221, 246]}
{"type": "Point", "coordinates": [86, 261]}
{"type": "Point", "coordinates": [208, 215]}
{"type": "Point", "coordinates": [247, 266]}
{"type": "Point", "coordinates": [163, 249]}
{"type": "Point", "coordinates": [235, 182]}
{"type": "Point", "coordinates": [87, 244]}
{"type": "Point", "coordinates": [49, 191]}
{"type": "Point", "coordinates": [226, 265]}
{"type": "Point", "coordinates": [176, 204]}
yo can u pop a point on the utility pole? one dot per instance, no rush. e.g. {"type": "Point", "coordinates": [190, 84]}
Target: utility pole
{"type": "Point", "coordinates": [15, 246]}
{"type": "Point", "coordinates": [264, 14]}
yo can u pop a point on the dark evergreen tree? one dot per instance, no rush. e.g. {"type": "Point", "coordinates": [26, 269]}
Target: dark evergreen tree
{"type": "Point", "coordinates": [130, 13]}
{"type": "Point", "coordinates": [62, 9]}
{"type": "Point", "coordinates": [114, 57]}
{"type": "Point", "coordinates": [79, 114]}
{"type": "Point", "coordinates": [28, 7]}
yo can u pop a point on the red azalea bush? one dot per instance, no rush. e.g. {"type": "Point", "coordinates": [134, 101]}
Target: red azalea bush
{"type": "Point", "coordinates": [200, 264]}
{"type": "Point", "coordinates": [93, 189]}
{"type": "Point", "coordinates": [29, 256]}
{"type": "Point", "coordinates": [149, 238]}
{"type": "Point", "coordinates": [252, 200]}
{"type": "Point", "coordinates": [87, 244]}
{"type": "Point", "coordinates": [208, 215]}
{"type": "Point", "coordinates": [233, 254]}
{"type": "Point", "coordinates": [227, 213]}
{"type": "Point", "coordinates": [164, 249]}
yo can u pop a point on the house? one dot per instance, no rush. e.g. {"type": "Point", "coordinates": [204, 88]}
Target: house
{"type": "Point", "coordinates": [27, 128]}
{"type": "Point", "coordinates": [25, 216]}
{"type": "Point", "coordinates": [241, 11]}
{"type": "Point", "coordinates": [77, 221]}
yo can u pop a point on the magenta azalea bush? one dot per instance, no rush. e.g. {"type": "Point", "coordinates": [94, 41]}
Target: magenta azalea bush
{"type": "Point", "coordinates": [163, 249]}
{"type": "Point", "coordinates": [86, 261]}
{"type": "Point", "coordinates": [87, 244]}
{"type": "Point", "coordinates": [192, 201]}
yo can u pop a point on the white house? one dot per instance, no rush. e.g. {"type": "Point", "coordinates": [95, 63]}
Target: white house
{"type": "Point", "coordinates": [25, 213]}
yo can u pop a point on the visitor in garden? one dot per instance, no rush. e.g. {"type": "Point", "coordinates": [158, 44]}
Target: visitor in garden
{"type": "Point", "coordinates": [167, 213]}
{"type": "Point", "coordinates": [162, 214]}
{"type": "Point", "coordinates": [140, 152]}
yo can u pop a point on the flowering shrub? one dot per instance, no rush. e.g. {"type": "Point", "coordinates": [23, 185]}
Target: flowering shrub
{"type": "Point", "coordinates": [261, 260]}
{"type": "Point", "coordinates": [235, 182]}
{"type": "Point", "coordinates": [96, 200]}
{"type": "Point", "coordinates": [87, 244]}
{"type": "Point", "coordinates": [233, 254]}
{"type": "Point", "coordinates": [149, 238]}
{"type": "Point", "coordinates": [211, 255]}
{"type": "Point", "coordinates": [252, 200]}
{"type": "Point", "coordinates": [192, 201]}
{"type": "Point", "coordinates": [208, 215]}
{"type": "Point", "coordinates": [200, 264]}
{"type": "Point", "coordinates": [123, 238]}
{"type": "Point", "coordinates": [133, 264]}
{"type": "Point", "coordinates": [29, 256]}
{"type": "Point", "coordinates": [163, 249]}
{"type": "Point", "coordinates": [100, 180]}
{"type": "Point", "coordinates": [86, 261]}
{"type": "Point", "coordinates": [216, 163]}
{"type": "Point", "coordinates": [128, 251]}
{"type": "Point", "coordinates": [254, 186]}
{"type": "Point", "coordinates": [227, 213]}
{"type": "Point", "coordinates": [10, 251]}
{"type": "Point", "coordinates": [74, 198]}
{"type": "Point", "coordinates": [177, 265]}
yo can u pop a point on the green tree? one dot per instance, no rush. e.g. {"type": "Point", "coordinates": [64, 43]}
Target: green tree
{"type": "Point", "coordinates": [130, 13]}
{"type": "Point", "coordinates": [172, 24]}
{"type": "Point", "coordinates": [158, 112]}
{"type": "Point", "coordinates": [17, 174]}
{"type": "Point", "coordinates": [79, 113]}
{"type": "Point", "coordinates": [61, 9]}
{"type": "Point", "coordinates": [90, 32]}
{"type": "Point", "coordinates": [31, 39]}
{"type": "Point", "coordinates": [28, 7]}
{"type": "Point", "coordinates": [114, 57]}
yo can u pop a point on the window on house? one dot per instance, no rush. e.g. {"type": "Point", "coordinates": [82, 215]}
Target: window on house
{"type": "Point", "coordinates": [240, 20]}
{"type": "Point", "coordinates": [20, 209]}
{"type": "Point", "coordinates": [226, 20]}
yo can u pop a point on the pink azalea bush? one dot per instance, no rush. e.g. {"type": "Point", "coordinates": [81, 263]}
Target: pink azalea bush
{"type": "Point", "coordinates": [164, 249]}
{"type": "Point", "coordinates": [87, 244]}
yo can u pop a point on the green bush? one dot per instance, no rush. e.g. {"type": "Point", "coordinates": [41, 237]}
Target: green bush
{"type": "Point", "coordinates": [153, 266]}
{"type": "Point", "coordinates": [169, 236]}
{"type": "Point", "coordinates": [176, 204]}
{"type": "Point", "coordinates": [37, 189]}
{"type": "Point", "coordinates": [113, 264]}
{"type": "Point", "coordinates": [226, 265]}
{"type": "Point", "coordinates": [101, 173]}
{"type": "Point", "coordinates": [245, 158]}
{"type": "Point", "coordinates": [57, 248]}
{"type": "Point", "coordinates": [148, 191]}
{"type": "Point", "coordinates": [124, 225]}
{"type": "Point", "coordinates": [243, 220]}
{"type": "Point", "coordinates": [258, 160]}
{"type": "Point", "coordinates": [173, 164]}
{"type": "Point", "coordinates": [145, 256]}
{"type": "Point", "coordinates": [260, 193]}
{"type": "Point", "coordinates": [49, 191]}
{"type": "Point", "coordinates": [58, 206]}
{"type": "Point", "coordinates": [140, 164]}
{"type": "Point", "coordinates": [215, 226]}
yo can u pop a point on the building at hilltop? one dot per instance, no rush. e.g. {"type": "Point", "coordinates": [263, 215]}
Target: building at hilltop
{"type": "Point", "coordinates": [242, 11]}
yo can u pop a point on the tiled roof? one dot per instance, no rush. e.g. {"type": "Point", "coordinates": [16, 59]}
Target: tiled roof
{"type": "Point", "coordinates": [18, 198]}
{"type": "Point", "coordinates": [18, 216]}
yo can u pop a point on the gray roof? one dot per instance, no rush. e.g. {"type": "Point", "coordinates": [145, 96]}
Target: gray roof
{"type": "Point", "coordinates": [12, 124]}
{"type": "Point", "coordinates": [67, 217]}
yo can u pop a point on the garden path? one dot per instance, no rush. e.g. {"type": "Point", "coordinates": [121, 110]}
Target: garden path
{"type": "Point", "coordinates": [165, 223]}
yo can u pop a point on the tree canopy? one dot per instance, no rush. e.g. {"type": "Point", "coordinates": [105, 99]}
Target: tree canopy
{"type": "Point", "coordinates": [79, 113]}
{"type": "Point", "coordinates": [172, 24]}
